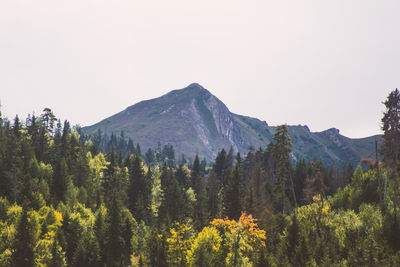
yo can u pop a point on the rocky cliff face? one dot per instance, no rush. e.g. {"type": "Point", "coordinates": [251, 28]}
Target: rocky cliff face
{"type": "Point", "coordinates": [196, 122]}
{"type": "Point", "coordinates": [211, 120]}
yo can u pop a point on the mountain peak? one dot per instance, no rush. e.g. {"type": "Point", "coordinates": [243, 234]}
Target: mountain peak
{"type": "Point", "coordinates": [192, 90]}
{"type": "Point", "coordinates": [195, 87]}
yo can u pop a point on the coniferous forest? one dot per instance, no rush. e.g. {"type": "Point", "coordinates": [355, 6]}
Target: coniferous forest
{"type": "Point", "coordinates": [70, 200]}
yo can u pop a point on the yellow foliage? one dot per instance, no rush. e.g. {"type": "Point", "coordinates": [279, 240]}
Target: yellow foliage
{"type": "Point", "coordinates": [325, 209]}
{"type": "Point", "coordinates": [316, 198]}
{"type": "Point", "coordinates": [59, 217]}
{"type": "Point", "coordinates": [205, 249]}
{"type": "Point", "coordinates": [179, 242]}
{"type": "Point", "coordinates": [246, 225]}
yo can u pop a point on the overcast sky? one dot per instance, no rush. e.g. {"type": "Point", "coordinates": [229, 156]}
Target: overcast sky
{"type": "Point", "coordinates": [320, 63]}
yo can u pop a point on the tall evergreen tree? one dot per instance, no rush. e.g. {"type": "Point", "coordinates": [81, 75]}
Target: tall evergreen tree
{"type": "Point", "coordinates": [17, 126]}
{"type": "Point", "coordinates": [200, 215]}
{"type": "Point", "coordinates": [315, 184]}
{"type": "Point", "coordinates": [61, 180]}
{"type": "Point", "coordinates": [391, 137]}
{"type": "Point", "coordinates": [131, 147]}
{"type": "Point", "coordinates": [115, 240]}
{"type": "Point", "coordinates": [182, 176]}
{"type": "Point", "coordinates": [300, 177]}
{"type": "Point", "coordinates": [173, 207]}
{"type": "Point", "coordinates": [28, 232]}
{"type": "Point", "coordinates": [139, 190]}
{"type": "Point", "coordinates": [48, 118]}
{"type": "Point", "coordinates": [214, 187]}
{"type": "Point", "coordinates": [280, 150]}
{"type": "Point", "coordinates": [220, 165]}
{"type": "Point", "coordinates": [231, 202]}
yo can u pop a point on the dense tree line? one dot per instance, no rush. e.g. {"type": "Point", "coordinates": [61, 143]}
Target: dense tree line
{"type": "Point", "coordinates": [159, 155]}
{"type": "Point", "coordinates": [67, 200]}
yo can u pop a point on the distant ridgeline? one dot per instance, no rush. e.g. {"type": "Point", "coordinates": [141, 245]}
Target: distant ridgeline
{"type": "Point", "coordinates": [195, 122]}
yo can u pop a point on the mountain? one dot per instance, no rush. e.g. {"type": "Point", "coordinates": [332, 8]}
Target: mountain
{"type": "Point", "coordinates": [196, 122]}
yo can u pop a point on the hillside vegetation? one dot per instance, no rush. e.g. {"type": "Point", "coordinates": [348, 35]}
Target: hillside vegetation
{"type": "Point", "coordinates": [63, 202]}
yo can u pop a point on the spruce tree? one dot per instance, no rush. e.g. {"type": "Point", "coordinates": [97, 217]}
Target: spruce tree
{"type": "Point", "coordinates": [280, 150]}
{"type": "Point", "coordinates": [232, 206]}
{"type": "Point", "coordinates": [60, 180]}
{"type": "Point", "coordinates": [300, 177]}
{"type": "Point", "coordinates": [213, 194]}
{"type": "Point", "coordinates": [315, 184]}
{"type": "Point", "coordinates": [200, 215]}
{"type": "Point", "coordinates": [48, 118]}
{"type": "Point", "coordinates": [28, 232]}
{"type": "Point", "coordinates": [139, 192]}
{"type": "Point", "coordinates": [172, 207]}
{"type": "Point", "coordinates": [219, 166]}
{"type": "Point", "coordinates": [182, 176]}
{"type": "Point", "coordinates": [391, 137]}
{"type": "Point", "coordinates": [115, 241]}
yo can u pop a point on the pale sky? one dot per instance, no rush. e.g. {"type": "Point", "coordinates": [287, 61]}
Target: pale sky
{"type": "Point", "coordinates": [320, 63]}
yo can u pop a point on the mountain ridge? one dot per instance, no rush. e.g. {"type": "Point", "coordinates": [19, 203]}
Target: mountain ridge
{"type": "Point", "coordinates": [195, 121]}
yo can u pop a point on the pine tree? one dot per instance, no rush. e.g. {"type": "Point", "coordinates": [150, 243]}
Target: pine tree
{"type": "Point", "coordinates": [28, 232]}
{"type": "Point", "coordinates": [115, 241]}
{"type": "Point", "coordinates": [65, 141]}
{"type": "Point", "coordinates": [139, 190]}
{"type": "Point", "coordinates": [149, 156]}
{"type": "Point", "coordinates": [213, 194]}
{"type": "Point", "coordinates": [61, 180]}
{"type": "Point", "coordinates": [280, 151]}
{"type": "Point", "coordinates": [131, 147]}
{"type": "Point", "coordinates": [138, 150]}
{"type": "Point", "coordinates": [182, 176]}
{"type": "Point", "coordinates": [17, 126]}
{"type": "Point", "coordinates": [48, 118]}
{"type": "Point", "coordinates": [300, 177]}
{"type": "Point", "coordinates": [292, 239]}
{"type": "Point", "coordinates": [391, 137]}
{"type": "Point", "coordinates": [100, 229]}
{"type": "Point", "coordinates": [220, 165]}
{"type": "Point", "coordinates": [108, 174]}
{"type": "Point", "coordinates": [172, 207]}
{"type": "Point", "coordinates": [200, 215]}
{"type": "Point", "coordinates": [232, 205]}
{"type": "Point", "coordinates": [315, 184]}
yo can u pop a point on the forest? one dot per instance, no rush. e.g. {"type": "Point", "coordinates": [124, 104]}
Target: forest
{"type": "Point", "coordinates": [70, 200]}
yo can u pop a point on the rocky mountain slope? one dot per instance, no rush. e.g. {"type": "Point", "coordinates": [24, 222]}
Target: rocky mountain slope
{"type": "Point", "coordinates": [196, 122]}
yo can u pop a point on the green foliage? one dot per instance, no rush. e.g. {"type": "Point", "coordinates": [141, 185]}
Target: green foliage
{"type": "Point", "coordinates": [28, 233]}
{"type": "Point", "coordinates": [231, 194]}
{"type": "Point", "coordinates": [139, 192]}
{"type": "Point", "coordinates": [63, 203]}
{"type": "Point", "coordinates": [362, 189]}
{"type": "Point", "coordinates": [200, 215]}
{"type": "Point", "coordinates": [280, 150]}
